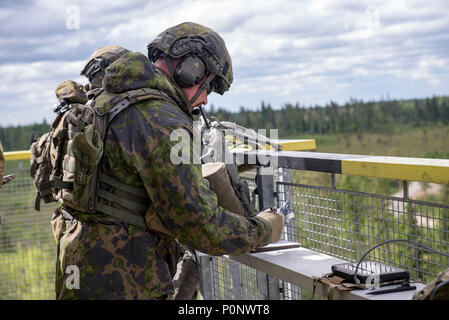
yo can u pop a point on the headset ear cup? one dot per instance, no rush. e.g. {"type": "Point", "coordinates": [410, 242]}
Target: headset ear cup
{"type": "Point", "coordinates": [189, 71]}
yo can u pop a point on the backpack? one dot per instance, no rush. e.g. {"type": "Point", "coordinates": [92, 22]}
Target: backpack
{"type": "Point", "coordinates": [43, 151]}
{"type": "Point", "coordinates": [65, 160]}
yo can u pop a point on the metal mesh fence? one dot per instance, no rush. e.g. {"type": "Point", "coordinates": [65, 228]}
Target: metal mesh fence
{"type": "Point", "coordinates": [346, 224]}
{"type": "Point", "coordinates": [235, 281]}
{"type": "Point", "coordinates": [336, 222]}
{"type": "Point", "coordinates": [27, 248]}
{"type": "Point", "coordinates": [232, 280]}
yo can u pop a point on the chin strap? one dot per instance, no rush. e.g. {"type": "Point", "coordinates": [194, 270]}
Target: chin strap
{"type": "Point", "coordinates": [170, 66]}
{"type": "Point", "coordinates": [203, 87]}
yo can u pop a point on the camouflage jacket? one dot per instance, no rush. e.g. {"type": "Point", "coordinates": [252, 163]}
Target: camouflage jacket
{"type": "Point", "coordinates": [118, 261]}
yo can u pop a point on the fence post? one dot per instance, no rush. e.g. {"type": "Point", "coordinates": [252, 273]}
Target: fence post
{"type": "Point", "coordinates": [405, 189]}
{"type": "Point", "coordinates": [206, 278]}
{"type": "Point", "coordinates": [265, 187]}
{"type": "Point", "coordinates": [285, 193]}
{"type": "Point", "coordinates": [269, 285]}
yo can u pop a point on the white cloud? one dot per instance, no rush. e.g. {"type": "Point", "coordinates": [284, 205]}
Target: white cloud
{"type": "Point", "coordinates": [282, 51]}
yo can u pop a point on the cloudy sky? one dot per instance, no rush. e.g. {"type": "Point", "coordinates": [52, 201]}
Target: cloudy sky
{"type": "Point", "coordinates": [309, 52]}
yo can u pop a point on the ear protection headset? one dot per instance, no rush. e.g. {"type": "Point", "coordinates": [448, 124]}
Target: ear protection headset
{"type": "Point", "coordinates": [190, 71]}
{"type": "Point", "coordinates": [199, 59]}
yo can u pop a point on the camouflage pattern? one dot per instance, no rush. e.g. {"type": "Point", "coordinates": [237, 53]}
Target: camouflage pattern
{"type": "Point", "coordinates": [2, 165]}
{"type": "Point", "coordinates": [98, 62]}
{"type": "Point", "coordinates": [110, 53]}
{"type": "Point", "coordinates": [166, 38]}
{"type": "Point", "coordinates": [120, 261]}
{"type": "Point", "coordinates": [71, 92]}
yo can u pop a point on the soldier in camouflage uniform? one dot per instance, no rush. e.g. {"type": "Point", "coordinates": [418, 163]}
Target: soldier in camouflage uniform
{"type": "Point", "coordinates": [118, 260]}
{"type": "Point", "coordinates": [72, 92]}
{"type": "Point", "coordinates": [98, 62]}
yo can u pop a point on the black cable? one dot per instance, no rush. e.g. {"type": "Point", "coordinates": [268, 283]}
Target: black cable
{"type": "Point", "coordinates": [204, 117]}
{"type": "Point", "coordinates": [357, 281]}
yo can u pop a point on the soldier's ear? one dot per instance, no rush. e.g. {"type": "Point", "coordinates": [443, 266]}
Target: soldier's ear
{"type": "Point", "coordinates": [87, 87]}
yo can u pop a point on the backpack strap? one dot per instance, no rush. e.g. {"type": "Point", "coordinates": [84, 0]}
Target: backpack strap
{"type": "Point", "coordinates": [124, 209]}
{"type": "Point", "coordinates": [122, 101]}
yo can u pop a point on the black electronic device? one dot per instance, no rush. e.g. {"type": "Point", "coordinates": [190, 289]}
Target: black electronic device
{"type": "Point", "coordinates": [369, 268]}
{"type": "Point", "coordinates": [403, 287]}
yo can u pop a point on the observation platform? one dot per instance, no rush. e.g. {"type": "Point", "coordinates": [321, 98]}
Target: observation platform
{"type": "Point", "coordinates": [316, 208]}
{"type": "Point", "coordinates": [300, 266]}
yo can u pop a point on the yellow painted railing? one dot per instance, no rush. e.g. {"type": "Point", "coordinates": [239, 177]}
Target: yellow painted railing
{"type": "Point", "coordinates": [17, 155]}
{"type": "Point", "coordinates": [288, 145]}
{"type": "Point", "coordinates": [400, 168]}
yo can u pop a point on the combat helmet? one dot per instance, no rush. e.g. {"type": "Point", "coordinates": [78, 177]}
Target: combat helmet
{"type": "Point", "coordinates": [99, 61]}
{"type": "Point", "coordinates": [202, 49]}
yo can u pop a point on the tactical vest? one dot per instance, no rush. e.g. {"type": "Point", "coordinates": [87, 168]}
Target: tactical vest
{"type": "Point", "coordinates": [65, 161]}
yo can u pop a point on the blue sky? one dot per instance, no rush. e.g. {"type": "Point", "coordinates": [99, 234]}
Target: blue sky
{"type": "Point", "coordinates": [309, 52]}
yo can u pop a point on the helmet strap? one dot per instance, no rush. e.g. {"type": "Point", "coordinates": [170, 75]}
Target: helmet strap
{"type": "Point", "coordinates": [203, 87]}
{"type": "Point", "coordinates": [170, 66]}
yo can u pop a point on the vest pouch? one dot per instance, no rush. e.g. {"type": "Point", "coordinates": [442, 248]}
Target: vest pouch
{"type": "Point", "coordinates": [84, 152]}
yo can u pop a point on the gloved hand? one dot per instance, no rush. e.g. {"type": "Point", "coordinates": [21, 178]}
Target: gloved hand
{"type": "Point", "coordinates": [276, 220]}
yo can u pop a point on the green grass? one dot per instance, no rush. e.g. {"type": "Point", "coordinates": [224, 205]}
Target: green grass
{"type": "Point", "coordinates": [405, 141]}
{"type": "Point", "coordinates": [27, 273]}
{"type": "Point", "coordinates": [27, 251]}
{"type": "Point", "coordinates": [27, 248]}
{"type": "Point", "coordinates": [350, 225]}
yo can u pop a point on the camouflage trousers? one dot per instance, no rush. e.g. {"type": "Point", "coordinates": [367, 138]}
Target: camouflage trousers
{"type": "Point", "coordinates": [111, 261]}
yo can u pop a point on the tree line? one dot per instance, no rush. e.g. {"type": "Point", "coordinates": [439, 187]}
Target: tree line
{"type": "Point", "coordinates": [15, 138]}
{"type": "Point", "coordinates": [355, 116]}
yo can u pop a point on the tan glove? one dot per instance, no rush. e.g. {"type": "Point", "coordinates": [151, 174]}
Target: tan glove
{"type": "Point", "coordinates": [276, 220]}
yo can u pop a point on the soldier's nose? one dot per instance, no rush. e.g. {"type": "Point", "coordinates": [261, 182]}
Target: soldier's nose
{"type": "Point", "coordinates": [204, 100]}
